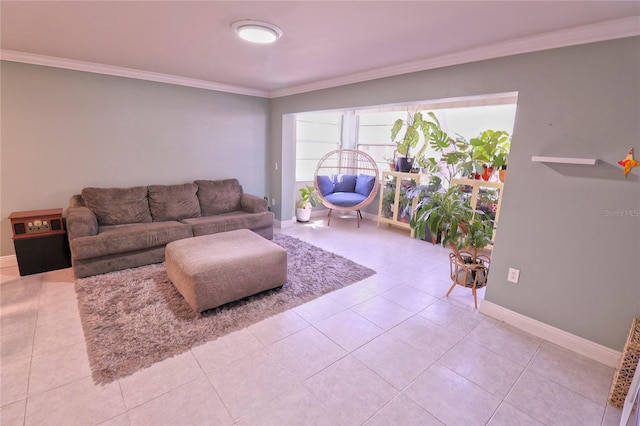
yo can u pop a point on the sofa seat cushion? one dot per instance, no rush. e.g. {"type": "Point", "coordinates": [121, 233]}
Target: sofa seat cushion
{"type": "Point", "coordinates": [127, 238]}
{"type": "Point", "coordinates": [173, 202]}
{"type": "Point", "coordinates": [219, 196]}
{"type": "Point", "coordinates": [207, 225]}
{"type": "Point", "coordinates": [345, 199]}
{"type": "Point", "coordinates": [117, 206]}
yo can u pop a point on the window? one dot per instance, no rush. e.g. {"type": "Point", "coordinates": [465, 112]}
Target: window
{"type": "Point", "coordinates": [369, 129]}
{"type": "Point", "coordinates": [374, 135]}
{"type": "Point", "coordinates": [466, 118]}
{"type": "Point", "coordinates": [316, 135]}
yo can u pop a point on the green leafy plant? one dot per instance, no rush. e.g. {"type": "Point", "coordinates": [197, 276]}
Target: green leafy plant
{"type": "Point", "coordinates": [414, 125]}
{"type": "Point", "coordinates": [450, 215]}
{"type": "Point", "coordinates": [387, 202]}
{"type": "Point", "coordinates": [478, 234]}
{"type": "Point", "coordinates": [308, 195]}
{"type": "Point", "coordinates": [453, 154]}
{"type": "Point", "coordinates": [491, 147]}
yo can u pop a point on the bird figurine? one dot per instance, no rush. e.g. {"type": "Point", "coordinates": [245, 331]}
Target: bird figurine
{"type": "Point", "coordinates": [629, 163]}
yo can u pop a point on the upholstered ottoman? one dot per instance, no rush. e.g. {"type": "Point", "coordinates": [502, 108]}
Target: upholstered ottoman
{"type": "Point", "coordinates": [212, 270]}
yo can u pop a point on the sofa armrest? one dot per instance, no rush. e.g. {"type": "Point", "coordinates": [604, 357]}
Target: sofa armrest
{"type": "Point", "coordinates": [253, 204]}
{"type": "Point", "coordinates": [81, 222]}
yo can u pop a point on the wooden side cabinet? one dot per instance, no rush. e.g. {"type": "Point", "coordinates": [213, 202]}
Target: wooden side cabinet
{"type": "Point", "coordinates": [40, 241]}
{"type": "Point", "coordinates": [485, 196]}
{"type": "Point", "coordinates": [393, 202]}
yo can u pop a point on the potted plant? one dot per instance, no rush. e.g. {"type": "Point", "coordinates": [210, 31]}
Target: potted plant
{"type": "Point", "coordinates": [308, 200]}
{"type": "Point", "coordinates": [420, 160]}
{"type": "Point", "coordinates": [387, 204]}
{"type": "Point", "coordinates": [391, 161]}
{"type": "Point", "coordinates": [449, 215]}
{"type": "Point", "coordinates": [422, 194]}
{"type": "Point", "coordinates": [502, 173]}
{"type": "Point", "coordinates": [491, 148]}
{"type": "Point", "coordinates": [453, 154]}
{"type": "Point", "coordinates": [413, 126]}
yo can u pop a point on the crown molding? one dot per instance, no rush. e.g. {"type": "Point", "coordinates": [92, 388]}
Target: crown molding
{"type": "Point", "coordinates": [70, 64]}
{"type": "Point", "coordinates": [609, 30]}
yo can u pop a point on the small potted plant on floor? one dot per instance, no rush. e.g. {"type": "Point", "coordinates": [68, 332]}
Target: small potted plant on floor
{"type": "Point", "coordinates": [308, 200]}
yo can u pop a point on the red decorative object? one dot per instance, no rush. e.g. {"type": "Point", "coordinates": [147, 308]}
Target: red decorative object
{"type": "Point", "coordinates": [488, 172]}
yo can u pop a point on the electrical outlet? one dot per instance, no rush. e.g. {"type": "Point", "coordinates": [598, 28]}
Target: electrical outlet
{"type": "Point", "coordinates": [276, 166]}
{"type": "Point", "coordinates": [513, 276]}
{"type": "Point", "coordinates": [273, 201]}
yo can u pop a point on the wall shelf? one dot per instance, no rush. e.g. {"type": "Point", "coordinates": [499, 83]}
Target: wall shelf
{"type": "Point", "coordinates": [565, 160]}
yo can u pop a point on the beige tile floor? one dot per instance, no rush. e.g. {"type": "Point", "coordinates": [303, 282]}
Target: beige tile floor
{"type": "Point", "coordinates": [389, 350]}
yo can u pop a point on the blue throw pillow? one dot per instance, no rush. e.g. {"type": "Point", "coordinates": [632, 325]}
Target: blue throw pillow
{"type": "Point", "coordinates": [345, 183]}
{"type": "Point", "coordinates": [325, 185]}
{"type": "Point", "coordinates": [364, 184]}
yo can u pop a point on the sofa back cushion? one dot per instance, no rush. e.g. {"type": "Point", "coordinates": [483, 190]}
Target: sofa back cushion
{"type": "Point", "coordinates": [364, 184]}
{"type": "Point", "coordinates": [345, 183]}
{"type": "Point", "coordinates": [325, 185]}
{"type": "Point", "coordinates": [173, 202]}
{"type": "Point", "coordinates": [219, 196]}
{"type": "Point", "coordinates": [117, 206]}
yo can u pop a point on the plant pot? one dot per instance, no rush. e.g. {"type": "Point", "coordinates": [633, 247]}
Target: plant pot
{"type": "Point", "coordinates": [467, 278]}
{"type": "Point", "coordinates": [429, 237]}
{"type": "Point", "coordinates": [303, 214]}
{"type": "Point", "coordinates": [405, 164]}
{"type": "Point", "coordinates": [488, 172]}
{"type": "Point", "coordinates": [502, 173]}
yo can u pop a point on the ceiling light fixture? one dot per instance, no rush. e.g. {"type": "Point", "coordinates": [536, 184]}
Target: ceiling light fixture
{"type": "Point", "coordinates": [257, 31]}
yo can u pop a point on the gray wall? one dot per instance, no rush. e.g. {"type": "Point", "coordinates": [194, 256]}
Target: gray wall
{"type": "Point", "coordinates": [64, 130]}
{"type": "Point", "coordinates": [573, 231]}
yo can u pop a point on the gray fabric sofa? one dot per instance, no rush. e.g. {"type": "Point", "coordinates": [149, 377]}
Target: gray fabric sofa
{"type": "Point", "coordinates": [111, 229]}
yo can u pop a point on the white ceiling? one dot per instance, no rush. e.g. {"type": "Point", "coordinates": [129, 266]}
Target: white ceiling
{"type": "Point", "coordinates": [325, 43]}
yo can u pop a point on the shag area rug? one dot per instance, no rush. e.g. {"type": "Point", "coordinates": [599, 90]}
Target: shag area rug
{"type": "Point", "coordinates": [135, 318]}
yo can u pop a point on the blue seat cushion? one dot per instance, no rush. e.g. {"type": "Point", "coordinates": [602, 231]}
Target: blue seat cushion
{"type": "Point", "coordinates": [345, 183]}
{"type": "Point", "coordinates": [325, 185]}
{"type": "Point", "coordinates": [345, 199]}
{"type": "Point", "coordinates": [364, 184]}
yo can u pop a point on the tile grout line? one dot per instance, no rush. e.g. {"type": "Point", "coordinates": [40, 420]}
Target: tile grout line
{"type": "Point", "coordinates": [33, 344]}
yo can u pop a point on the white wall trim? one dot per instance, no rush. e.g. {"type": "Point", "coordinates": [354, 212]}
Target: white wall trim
{"type": "Point", "coordinates": [609, 30]}
{"type": "Point", "coordinates": [555, 335]}
{"type": "Point", "coordinates": [284, 223]}
{"type": "Point", "coordinates": [50, 61]}
{"type": "Point", "coordinates": [8, 261]}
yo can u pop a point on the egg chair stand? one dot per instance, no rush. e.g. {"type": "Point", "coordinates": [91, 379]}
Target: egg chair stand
{"type": "Point", "coordinates": [346, 179]}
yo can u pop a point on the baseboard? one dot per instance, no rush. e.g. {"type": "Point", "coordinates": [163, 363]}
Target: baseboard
{"type": "Point", "coordinates": [8, 261]}
{"type": "Point", "coordinates": [555, 335]}
{"type": "Point", "coordinates": [284, 223]}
